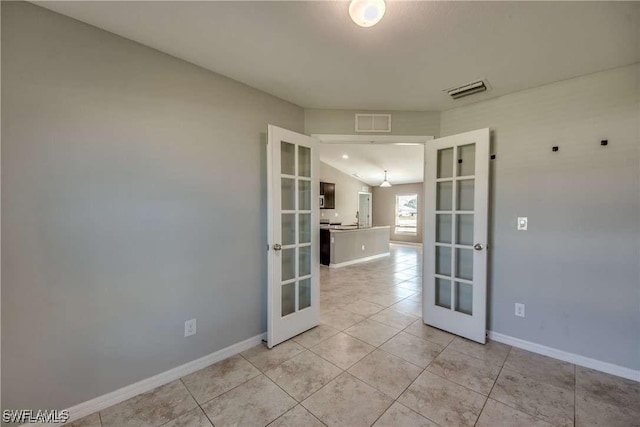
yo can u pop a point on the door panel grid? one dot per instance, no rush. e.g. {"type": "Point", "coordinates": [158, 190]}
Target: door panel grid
{"type": "Point", "coordinates": [293, 292]}
{"type": "Point", "coordinates": [455, 273]}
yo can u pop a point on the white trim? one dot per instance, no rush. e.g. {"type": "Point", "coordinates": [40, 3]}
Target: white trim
{"type": "Point", "coordinates": [401, 243]}
{"type": "Point", "coordinates": [576, 359]}
{"type": "Point", "coordinates": [106, 400]}
{"type": "Point", "coordinates": [359, 260]}
{"type": "Point", "coordinates": [367, 139]}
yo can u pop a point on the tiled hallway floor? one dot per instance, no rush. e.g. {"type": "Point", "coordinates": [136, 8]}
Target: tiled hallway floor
{"type": "Point", "coordinates": [373, 362]}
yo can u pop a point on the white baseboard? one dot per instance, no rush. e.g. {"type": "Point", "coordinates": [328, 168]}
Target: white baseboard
{"type": "Point", "coordinates": [576, 359]}
{"type": "Point", "coordinates": [102, 402]}
{"type": "Point", "coordinates": [359, 260]}
{"type": "Point", "coordinates": [401, 243]}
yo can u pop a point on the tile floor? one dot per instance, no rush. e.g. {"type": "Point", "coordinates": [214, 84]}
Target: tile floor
{"type": "Point", "coordinates": [373, 362]}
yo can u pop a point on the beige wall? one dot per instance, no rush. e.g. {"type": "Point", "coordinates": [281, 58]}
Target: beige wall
{"type": "Point", "coordinates": [384, 209]}
{"type": "Point", "coordinates": [577, 268]}
{"type": "Point", "coordinates": [423, 123]}
{"type": "Point", "coordinates": [347, 188]}
{"type": "Point", "coordinates": [133, 199]}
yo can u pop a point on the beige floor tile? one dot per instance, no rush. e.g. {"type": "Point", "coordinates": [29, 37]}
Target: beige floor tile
{"type": "Point", "coordinates": [607, 388]}
{"type": "Point", "coordinates": [347, 401]}
{"type": "Point", "coordinates": [153, 408]}
{"type": "Point", "coordinates": [496, 414]}
{"type": "Point", "coordinates": [303, 375]}
{"type": "Point", "coordinates": [92, 420]}
{"type": "Point", "coordinates": [400, 292]}
{"type": "Point", "coordinates": [297, 417]}
{"type": "Point", "coordinates": [265, 358]}
{"type": "Point", "coordinates": [412, 349]}
{"type": "Point", "coordinates": [410, 307]}
{"type": "Point", "coordinates": [442, 401]}
{"type": "Point", "coordinates": [417, 297]}
{"type": "Point", "coordinates": [254, 403]}
{"type": "Point", "coordinates": [340, 319]}
{"type": "Point", "coordinates": [381, 298]}
{"type": "Point", "coordinates": [315, 336]}
{"type": "Point", "coordinates": [342, 350]}
{"type": "Point", "coordinates": [394, 318]}
{"type": "Point", "coordinates": [363, 308]}
{"type": "Point", "coordinates": [220, 377]}
{"type": "Point", "coordinates": [193, 418]}
{"type": "Point", "coordinates": [385, 372]}
{"type": "Point", "coordinates": [492, 351]}
{"type": "Point", "coordinates": [429, 333]}
{"type": "Point", "coordinates": [595, 412]}
{"type": "Point", "coordinates": [372, 332]}
{"type": "Point", "coordinates": [476, 374]}
{"type": "Point", "coordinates": [412, 285]}
{"type": "Point", "coordinates": [400, 416]}
{"type": "Point", "coordinates": [542, 368]}
{"type": "Point", "coordinates": [545, 401]}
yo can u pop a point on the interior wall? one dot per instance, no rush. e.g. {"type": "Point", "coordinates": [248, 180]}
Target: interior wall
{"type": "Point", "coordinates": [577, 267]}
{"type": "Point", "coordinates": [384, 209]}
{"type": "Point", "coordinates": [133, 199]}
{"type": "Point", "coordinates": [347, 188]}
{"type": "Point", "coordinates": [343, 122]}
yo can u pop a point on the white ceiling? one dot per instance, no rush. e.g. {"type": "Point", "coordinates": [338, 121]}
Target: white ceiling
{"type": "Point", "coordinates": [312, 54]}
{"type": "Point", "coordinates": [405, 163]}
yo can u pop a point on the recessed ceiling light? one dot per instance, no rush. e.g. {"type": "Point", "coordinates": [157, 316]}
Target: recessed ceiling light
{"type": "Point", "coordinates": [345, 156]}
{"type": "Point", "coordinates": [367, 13]}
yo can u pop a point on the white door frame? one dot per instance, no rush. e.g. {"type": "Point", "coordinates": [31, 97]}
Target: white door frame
{"type": "Point", "coordinates": [370, 221]}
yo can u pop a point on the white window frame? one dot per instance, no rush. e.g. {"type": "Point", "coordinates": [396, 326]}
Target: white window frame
{"type": "Point", "coordinates": [395, 215]}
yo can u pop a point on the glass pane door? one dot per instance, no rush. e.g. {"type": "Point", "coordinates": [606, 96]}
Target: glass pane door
{"type": "Point", "coordinates": [293, 305]}
{"type": "Point", "coordinates": [295, 181]}
{"type": "Point", "coordinates": [456, 192]}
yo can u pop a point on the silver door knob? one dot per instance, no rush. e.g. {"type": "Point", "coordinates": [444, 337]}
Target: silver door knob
{"type": "Point", "coordinates": [277, 247]}
{"type": "Point", "coordinates": [478, 247]}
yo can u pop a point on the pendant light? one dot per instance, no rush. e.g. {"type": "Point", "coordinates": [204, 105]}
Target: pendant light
{"type": "Point", "coordinates": [386, 182]}
{"type": "Point", "coordinates": [367, 13]}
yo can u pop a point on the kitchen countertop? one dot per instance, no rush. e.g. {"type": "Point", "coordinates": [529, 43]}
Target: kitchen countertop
{"type": "Point", "coordinates": [350, 228]}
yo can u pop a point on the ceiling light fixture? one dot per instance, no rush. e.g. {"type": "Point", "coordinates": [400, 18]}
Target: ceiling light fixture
{"type": "Point", "coordinates": [367, 13]}
{"type": "Point", "coordinates": [386, 182]}
{"type": "Point", "coordinates": [345, 156]}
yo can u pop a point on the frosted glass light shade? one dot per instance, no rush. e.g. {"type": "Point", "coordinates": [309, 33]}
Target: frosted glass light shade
{"type": "Point", "coordinates": [367, 13]}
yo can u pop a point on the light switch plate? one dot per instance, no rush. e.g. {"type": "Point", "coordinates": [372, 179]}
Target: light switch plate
{"type": "Point", "coordinates": [522, 223]}
{"type": "Point", "coordinates": [190, 327]}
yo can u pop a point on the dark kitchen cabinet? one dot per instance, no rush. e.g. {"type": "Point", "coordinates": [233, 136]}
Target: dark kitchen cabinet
{"type": "Point", "coordinates": [325, 247]}
{"type": "Point", "coordinates": [328, 193]}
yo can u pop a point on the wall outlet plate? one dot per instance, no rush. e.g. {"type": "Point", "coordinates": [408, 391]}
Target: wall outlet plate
{"type": "Point", "coordinates": [519, 309]}
{"type": "Point", "coordinates": [190, 327]}
{"type": "Point", "coordinates": [522, 223]}
{"type": "Point", "coordinates": [363, 247]}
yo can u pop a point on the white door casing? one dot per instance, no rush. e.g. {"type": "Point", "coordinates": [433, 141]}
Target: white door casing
{"type": "Point", "coordinates": [293, 188]}
{"type": "Point", "coordinates": [455, 234]}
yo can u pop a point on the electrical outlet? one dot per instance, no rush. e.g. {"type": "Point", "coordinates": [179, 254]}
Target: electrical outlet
{"type": "Point", "coordinates": [363, 247]}
{"type": "Point", "coordinates": [522, 223]}
{"type": "Point", "coordinates": [190, 327]}
{"type": "Point", "coordinates": [519, 309]}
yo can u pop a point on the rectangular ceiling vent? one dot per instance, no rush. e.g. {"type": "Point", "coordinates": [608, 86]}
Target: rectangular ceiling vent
{"type": "Point", "coordinates": [373, 123]}
{"type": "Point", "coordinates": [467, 89]}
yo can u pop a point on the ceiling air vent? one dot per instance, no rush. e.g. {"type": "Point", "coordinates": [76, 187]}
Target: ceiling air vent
{"type": "Point", "coordinates": [373, 123]}
{"type": "Point", "coordinates": [467, 89]}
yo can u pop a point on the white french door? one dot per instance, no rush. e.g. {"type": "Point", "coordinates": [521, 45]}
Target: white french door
{"type": "Point", "coordinates": [455, 234]}
{"type": "Point", "coordinates": [294, 233]}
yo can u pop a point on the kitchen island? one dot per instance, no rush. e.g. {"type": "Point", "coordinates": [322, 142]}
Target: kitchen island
{"type": "Point", "coordinates": [341, 246]}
